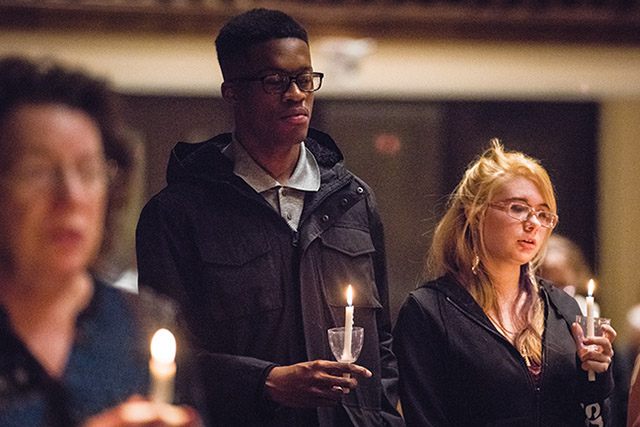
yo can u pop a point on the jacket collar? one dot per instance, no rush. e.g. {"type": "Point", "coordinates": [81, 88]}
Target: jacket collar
{"type": "Point", "coordinates": [204, 160]}
{"type": "Point", "coordinates": [458, 295]}
{"type": "Point", "coordinates": [561, 302]}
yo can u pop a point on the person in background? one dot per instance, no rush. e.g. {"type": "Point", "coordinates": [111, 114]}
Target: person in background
{"type": "Point", "coordinates": [565, 267]}
{"type": "Point", "coordinates": [484, 342]}
{"type": "Point", "coordinates": [624, 363]}
{"type": "Point", "coordinates": [74, 350]}
{"type": "Point", "coordinates": [633, 408]}
{"type": "Point", "coordinates": [258, 234]}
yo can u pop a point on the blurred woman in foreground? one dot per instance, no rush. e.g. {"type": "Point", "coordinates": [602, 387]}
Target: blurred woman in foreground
{"type": "Point", "coordinates": [74, 350]}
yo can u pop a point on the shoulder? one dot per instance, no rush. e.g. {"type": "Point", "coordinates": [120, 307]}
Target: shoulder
{"type": "Point", "coordinates": [324, 148]}
{"type": "Point", "coordinates": [445, 298]}
{"type": "Point", "coordinates": [110, 317]}
{"type": "Point", "coordinates": [192, 164]}
{"type": "Point", "coordinates": [563, 303]}
{"type": "Point", "coordinates": [429, 290]}
{"type": "Point", "coordinates": [331, 161]}
{"type": "Point", "coordinates": [423, 316]}
{"type": "Point", "coordinates": [166, 212]}
{"type": "Point", "coordinates": [194, 158]}
{"type": "Point", "coordinates": [170, 197]}
{"type": "Point", "coordinates": [444, 287]}
{"type": "Point", "coordinates": [179, 200]}
{"type": "Point", "coordinates": [108, 299]}
{"type": "Point", "coordinates": [427, 296]}
{"type": "Point", "coordinates": [146, 308]}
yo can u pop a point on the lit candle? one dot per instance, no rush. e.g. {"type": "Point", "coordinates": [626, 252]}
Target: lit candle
{"type": "Point", "coordinates": [162, 366]}
{"type": "Point", "coordinates": [590, 326]}
{"type": "Point", "coordinates": [348, 325]}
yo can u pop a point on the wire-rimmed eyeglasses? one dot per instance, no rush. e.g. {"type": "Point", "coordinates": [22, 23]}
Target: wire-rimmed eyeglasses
{"type": "Point", "coordinates": [523, 212]}
{"type": "Point", "coordinates": [45, 176]}
{"type": "Point", "coordinates": [280, 83]}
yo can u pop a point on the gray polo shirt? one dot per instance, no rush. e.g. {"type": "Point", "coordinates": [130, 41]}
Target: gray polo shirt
{"type": "Point", "coordinates": [287, 200]}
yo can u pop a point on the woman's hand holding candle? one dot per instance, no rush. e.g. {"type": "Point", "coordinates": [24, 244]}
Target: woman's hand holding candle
{"type": "Point", "coordinates": [595, 352]}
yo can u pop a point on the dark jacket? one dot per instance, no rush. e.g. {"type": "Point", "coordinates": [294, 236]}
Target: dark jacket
{"type": "Point", "coordinates": [255, 293]}
{"type": "Point", "coordinates": [456, 369]}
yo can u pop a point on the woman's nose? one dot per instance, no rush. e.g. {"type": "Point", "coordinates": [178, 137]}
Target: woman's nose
{"type": "Point", "coordinates": [532, 222]}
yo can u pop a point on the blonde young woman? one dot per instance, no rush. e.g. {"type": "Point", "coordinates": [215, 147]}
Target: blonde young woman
{"type": "Point", "coordinates": [485, 343]}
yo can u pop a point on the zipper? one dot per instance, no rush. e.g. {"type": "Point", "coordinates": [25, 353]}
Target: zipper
{"type": "Point", "coordinates": [491, 330]}
{"type": "Point", "coordinates": [537, 389]}
{"type": "Point", "coordinates": [525, 362]}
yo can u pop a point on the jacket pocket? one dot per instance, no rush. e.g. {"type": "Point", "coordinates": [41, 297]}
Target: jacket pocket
{"type": "Point", "coordinates": [348, 260]}
{"type": "Point", "coordinates": [240, 276]}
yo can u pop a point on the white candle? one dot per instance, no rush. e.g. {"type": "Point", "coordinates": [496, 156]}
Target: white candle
{"type": "Point", "coordinates": [590, 325]}
{"type": "Point", "coordinates": [162, 366]}
{"type": "Point", "coordinates": [348, 325]}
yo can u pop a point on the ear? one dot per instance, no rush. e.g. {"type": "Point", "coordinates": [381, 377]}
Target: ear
{"type": "Point", "coordinates": [229, 93]}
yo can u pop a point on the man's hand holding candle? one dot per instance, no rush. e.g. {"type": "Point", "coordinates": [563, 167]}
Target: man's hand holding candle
{"type": "Point", "coordinates": [312, 384]}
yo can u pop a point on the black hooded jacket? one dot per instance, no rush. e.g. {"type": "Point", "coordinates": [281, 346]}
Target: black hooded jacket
{"type": "Point", "coordinates": [456, 369]}
{"type": "Point", "coordinates": [257, 294]}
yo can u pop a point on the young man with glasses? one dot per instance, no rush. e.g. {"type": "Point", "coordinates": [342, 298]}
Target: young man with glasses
{"type": "Point", "coordinates": [258, 235]}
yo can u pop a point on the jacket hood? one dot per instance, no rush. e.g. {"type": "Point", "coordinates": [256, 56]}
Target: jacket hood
{"type": "Point", "coordinates": [204, 160]}
{"type": "Point", "coordinates": [560, 301]}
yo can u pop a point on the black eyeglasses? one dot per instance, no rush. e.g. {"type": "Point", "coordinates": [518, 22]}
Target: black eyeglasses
{"type": "Point", "coordinates": [523, 212]}
{"type": "Point", "coordinates": [280, 83]}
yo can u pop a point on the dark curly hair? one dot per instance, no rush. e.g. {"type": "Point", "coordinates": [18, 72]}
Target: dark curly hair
{"type": "Point", "coordinates": [43, 81]}
{"type": "Point", "coordinates": [252, 27]}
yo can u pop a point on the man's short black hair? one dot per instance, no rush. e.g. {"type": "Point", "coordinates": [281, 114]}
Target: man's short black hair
{"type": "Point", "coordinates": [252, 27]}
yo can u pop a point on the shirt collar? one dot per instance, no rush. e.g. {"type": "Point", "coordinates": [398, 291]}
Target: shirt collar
{"type": "Point", "coordinates": [305, 176]}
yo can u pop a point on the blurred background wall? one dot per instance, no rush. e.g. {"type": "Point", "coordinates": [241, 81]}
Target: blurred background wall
{"type": "Point", "coordinates": [411, 98]}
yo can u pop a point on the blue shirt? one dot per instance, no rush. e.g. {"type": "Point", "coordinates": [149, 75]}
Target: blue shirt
{"type": "Point", "coordinates": [107, 364]}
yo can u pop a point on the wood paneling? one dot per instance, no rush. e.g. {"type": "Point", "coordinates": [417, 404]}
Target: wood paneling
{"type": "Point", "coordinates": [584, 21]}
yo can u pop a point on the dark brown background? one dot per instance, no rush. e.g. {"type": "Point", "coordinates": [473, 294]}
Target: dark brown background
{"type": "Point", "coordinates": [426, 147]}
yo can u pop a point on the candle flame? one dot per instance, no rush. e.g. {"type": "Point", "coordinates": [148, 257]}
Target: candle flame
{"type": "Point", "coordinates": [163, 346]}
{"type": "Point", "coordinates": [590, 287]}
{"type": "Point", "coordinates": [349, 295]}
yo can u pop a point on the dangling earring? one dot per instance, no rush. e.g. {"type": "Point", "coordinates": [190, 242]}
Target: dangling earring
{"type": "Point", "coordinates": [474, 266]}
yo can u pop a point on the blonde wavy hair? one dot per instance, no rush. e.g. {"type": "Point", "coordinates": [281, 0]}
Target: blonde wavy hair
{"type": "Point", "coordinates": [458, 248]}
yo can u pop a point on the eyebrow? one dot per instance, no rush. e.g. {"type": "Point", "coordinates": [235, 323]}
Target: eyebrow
{"type": "Point", "coordinates": [272, 71]}
{"type": "Point", "coordinates": [525, 201]}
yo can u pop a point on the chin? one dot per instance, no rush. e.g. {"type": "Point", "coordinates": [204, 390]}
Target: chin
{"type": "Point", "coordinates": [71, 265]}
{"type": "Point", "coordinates": [72, 261]}
{"type": "Point", "coordinates": [296, 134]}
